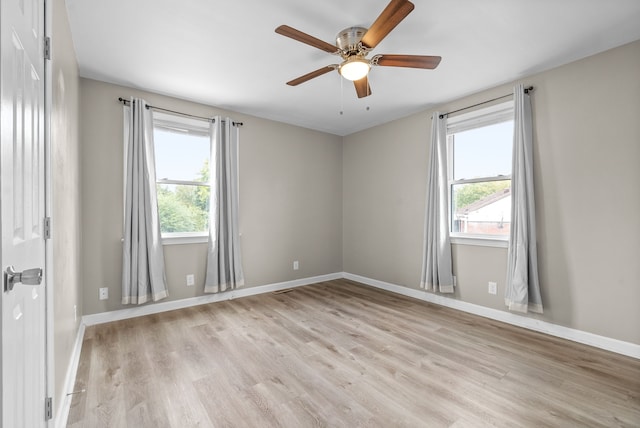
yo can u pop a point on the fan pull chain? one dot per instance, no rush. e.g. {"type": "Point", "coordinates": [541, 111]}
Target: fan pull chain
{"type": "Point", "coordinates": [368, 89]}
{"type": "Point", "coordinates": [341, 95]}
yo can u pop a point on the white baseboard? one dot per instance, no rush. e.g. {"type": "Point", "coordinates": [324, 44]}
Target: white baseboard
{"type": "Point", "coordinates": [64, 403]}
{"type": "Point", "coordinates": [602, 342]}
{"type": "Point", "coordinates": [201, 300]}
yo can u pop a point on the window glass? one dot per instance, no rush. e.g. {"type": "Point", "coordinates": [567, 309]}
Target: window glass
{"type": "Point", "coordinates": [183, 208]}
{"type": "Point", "coordinates": [180, 156]}
{"type": "Point", "coordinates": [483, 152]}
{"type": "Point", "coordinates": [482, 208]}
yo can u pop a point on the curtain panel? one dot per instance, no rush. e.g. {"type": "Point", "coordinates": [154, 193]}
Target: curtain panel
{"type": "Point", "coordinates": [143, 274]}
{"type": "Point", "coordinates": [437, 274]}
{"type": "Point", "coordinates": [522, 292]}
{"type": "Point", "coordinates": [224, 257]}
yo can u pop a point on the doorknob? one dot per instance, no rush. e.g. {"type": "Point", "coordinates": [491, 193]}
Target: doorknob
{"type": "Point", "coordinates": [27, 277]}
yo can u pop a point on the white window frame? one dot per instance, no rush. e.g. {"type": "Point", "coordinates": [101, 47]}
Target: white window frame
{"type": "Point", "coordinates": [190, 125]}
{"type": "Point", "coordinates": [491, 115]}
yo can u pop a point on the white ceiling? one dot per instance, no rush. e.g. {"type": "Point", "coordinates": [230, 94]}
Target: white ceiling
{"type": "Point", "coordinates": [226, 53]}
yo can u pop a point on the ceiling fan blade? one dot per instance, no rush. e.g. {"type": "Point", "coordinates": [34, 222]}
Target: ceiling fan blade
{"type": "Point", "coordinates": [362, 87]}
{"type": "Point", "coordinates": [298, 35]}
{"type": "Point", "coordinates": [413, 61]}
{"type": "Point", "coordinates": [391, 16]}
{"type": "Point", "coordinates": [309, 76]}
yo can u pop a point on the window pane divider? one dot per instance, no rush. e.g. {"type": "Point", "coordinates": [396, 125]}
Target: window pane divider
{"type": "Point", "coordinates": [481, 180]}
{"type": "Point", "coordinates": [479, 240]}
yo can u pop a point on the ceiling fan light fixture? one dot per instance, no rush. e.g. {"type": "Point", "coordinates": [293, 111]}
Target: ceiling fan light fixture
{"type": "Point", "coordinates": [354, 68]}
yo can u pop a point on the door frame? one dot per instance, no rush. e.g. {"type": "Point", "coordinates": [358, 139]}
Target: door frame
{"type": "Point", "coordinates": [48, 209]}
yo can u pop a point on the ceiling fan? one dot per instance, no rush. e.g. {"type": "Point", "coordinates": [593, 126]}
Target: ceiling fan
{"type": "Point", "coordinates": [353, 44]}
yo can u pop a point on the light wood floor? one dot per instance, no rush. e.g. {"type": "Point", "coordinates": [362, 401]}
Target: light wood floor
{"type": "Point", "coordinates": [338, 354]}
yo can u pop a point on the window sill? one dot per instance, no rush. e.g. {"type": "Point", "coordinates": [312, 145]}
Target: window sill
{"type": "Point", "coordinates": [180, 240]}
{"type": "Point", "coordinates": [481, 241]}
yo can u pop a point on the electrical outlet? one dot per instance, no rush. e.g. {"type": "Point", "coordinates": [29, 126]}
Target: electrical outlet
{"type": "Point", "coordinates": [493, 288]}
{"type": "Point", "coordinates": [104, 293]}
{"type": "Point", "coordinates": [190, 280]}
{"type": "Point", "coordinates": [296, 265]}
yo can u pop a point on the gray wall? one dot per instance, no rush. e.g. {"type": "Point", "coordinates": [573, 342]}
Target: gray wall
{"type": "Point", "coordinates": [290, 199]}
{"type": "Point", "coordinates": [65, 187]}
{"type": "Point", "coordinates": [587, 157]}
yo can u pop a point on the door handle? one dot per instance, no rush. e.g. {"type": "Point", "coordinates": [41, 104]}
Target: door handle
{"type": "Point", "coordinates": [27, 277]}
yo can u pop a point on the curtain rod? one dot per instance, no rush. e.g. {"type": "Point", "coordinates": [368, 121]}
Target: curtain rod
{"type": "Point", "coordinates": [210, 119]}
{"type": "Point", "coordinates": [526, 91]}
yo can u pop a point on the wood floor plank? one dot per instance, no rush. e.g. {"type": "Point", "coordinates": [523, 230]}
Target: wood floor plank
{"type": "Point", "coordinates": [339, 354]}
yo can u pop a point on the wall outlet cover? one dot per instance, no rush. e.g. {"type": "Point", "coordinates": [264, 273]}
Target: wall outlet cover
{"type": "Point", "coordinates": [191, 280]}
{"type": "Point", "coordinates": [493, 288]}
{"type": "Point", "coordinates": [104, 293]}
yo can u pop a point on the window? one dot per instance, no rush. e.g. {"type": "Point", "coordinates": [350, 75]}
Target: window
{"type": "Point", "coordinates": [479, 156]}
{"type": "Point", "coordinates": [182, 150]}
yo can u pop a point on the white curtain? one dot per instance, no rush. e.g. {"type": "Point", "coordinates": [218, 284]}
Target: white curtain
{"type": "Point", "coordinates": [143, 275]}
{"type": "Point", "coordinates": [224, 262]}
{"type": "Point", "coordinates": [522, 292]}
{"type": "Point", "coordinates": [436, 267]}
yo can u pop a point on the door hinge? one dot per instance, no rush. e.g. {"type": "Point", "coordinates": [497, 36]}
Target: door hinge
{"type": "Point", "coordinates": [48, 409]}
{"type": "Point", "coordinates": [47, 47]}
{"type": "Point", "coordinates": [47, 228]}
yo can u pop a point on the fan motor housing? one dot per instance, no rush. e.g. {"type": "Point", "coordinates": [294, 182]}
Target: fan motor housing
{"type": "Point", "coordinates": [348, 39]}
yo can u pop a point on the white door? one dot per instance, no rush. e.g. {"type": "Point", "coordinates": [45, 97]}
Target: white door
{"type": "Point", "coordinates": [22, 213]}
